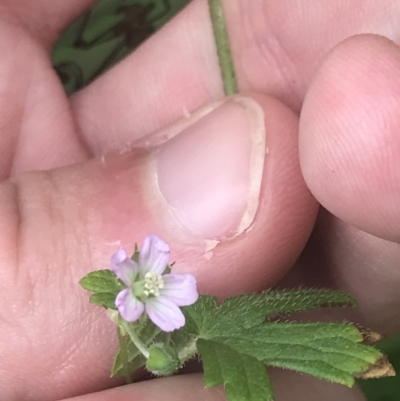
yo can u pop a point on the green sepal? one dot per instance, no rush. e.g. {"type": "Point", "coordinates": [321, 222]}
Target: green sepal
{"type": "Point", "coordinates": [163, 360]}
{"type": "Point", "coordinates": [136, 254]}
{"type": "Point", "coordinates": [167, 270]}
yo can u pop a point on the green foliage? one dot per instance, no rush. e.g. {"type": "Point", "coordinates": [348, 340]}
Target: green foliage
{"type": "Point", "coordinates": [101, 281]}
{"type": "Point", "coordinates": [243, 376]}
{"type": "Point", "coordinates": [239, 330]}
{"type": "Point", "coordinates": [149, 333]}
{"type": "Point", "coordinates": [239, 338]}
{"type": "Point", "coordinates": [105, 285]}
{"type": "Point", "coordinates": [104, 299]}
{"type": "Point", "coordinates": [328, 351]}
{"type": "Point", "coordinates": [254, 309]}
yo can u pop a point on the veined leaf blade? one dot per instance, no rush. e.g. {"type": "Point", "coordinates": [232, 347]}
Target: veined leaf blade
{"type": "Point", "coordinates": [101, 281]}
{"type": "Point", "coordinates": [256, 308]}
{"type": "Point", "coordinates": [326, 350]}
{"type": "Point", "coordinates": [104, 299]}
{"type": "Point", "coordinates": [199, 315]}
{"type": "Point", "coordinates": [244, 377]}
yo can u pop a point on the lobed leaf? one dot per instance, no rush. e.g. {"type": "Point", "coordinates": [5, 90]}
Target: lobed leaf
{"type": "Point", "coordinates": [254, 309]}
{"type": "Point", "coordinates": [102, 281]}
{"type": "Point", "coordinates": [104, 299]}
{"type": "Point", "coordinates": [326, 350]}
{"type": "Point", "coordinates": [200, 315]}
{"type": "Point", "coordinates": [243, 376]}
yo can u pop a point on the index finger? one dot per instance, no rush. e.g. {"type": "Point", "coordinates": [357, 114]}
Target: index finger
{"type": "Point", "coordinates": [277, 47]}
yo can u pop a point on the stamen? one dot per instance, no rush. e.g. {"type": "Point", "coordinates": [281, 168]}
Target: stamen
{"type": "Point", "coordinates": [153, 284]}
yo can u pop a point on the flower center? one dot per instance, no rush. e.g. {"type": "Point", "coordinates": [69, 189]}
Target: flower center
{"type": "Point", "coordinates": [153, 283]}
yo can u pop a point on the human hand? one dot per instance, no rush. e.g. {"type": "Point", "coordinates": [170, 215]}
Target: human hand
{"type": "Point", "coordinates": [59, 224]}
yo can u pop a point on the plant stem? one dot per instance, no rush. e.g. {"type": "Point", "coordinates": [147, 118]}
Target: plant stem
{"type": "Point", "coordinates": [223, 47]}
{"type": "Point", "coordinates": [124, 356]}
{"type": "Point", "coordinates": [140, 345]}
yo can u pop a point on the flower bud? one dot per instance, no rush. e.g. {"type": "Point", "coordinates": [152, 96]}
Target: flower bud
{"type": "Point", "coordinates": [163, 360]}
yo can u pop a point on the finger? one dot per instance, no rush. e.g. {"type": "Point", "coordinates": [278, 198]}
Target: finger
{"type": "Point", "coordinates": [291, 385]}
{"type": "Point", "coordinates": [37, 130]}
{"type": "Point", "coordinates": [172, 388]}
{"type": "Point", "coordinates": [43, 19]}
{"type": "Point", "coordinates": [275, 48]}
{"type": "Point", "coordinates": [341, 256]}
{"type": "Point", "coordinates": [349, 148]}
{"type": "Point", "coordinates": [349, 155]}
{"type": "Point", "coordinates": [288, 386]}
{"type": "Point", "coordinates": [223, 187]}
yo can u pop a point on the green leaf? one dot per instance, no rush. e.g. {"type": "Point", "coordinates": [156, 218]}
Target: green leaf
{"type": "Point", "coordinates": [326, 350]}
{"type": "Point", "coordinates": [102, 281]}
{"type": "Point", "coordinates": [200, 316]}
{"type": "Point", "coordinates": [105, 285]}
{"type": "Point", "coordinates": [104, 299]}
{"type": "Point", "coordinates": [207, 319]}
{"type": "Point", "coordinates": [243, 376]}
{"type": "Point", "coordinates": [254, 309]}
{"type": "Point", "coordinates": [330, 351]}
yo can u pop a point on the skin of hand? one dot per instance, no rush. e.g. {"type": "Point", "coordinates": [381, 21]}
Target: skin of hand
{"type": "Point", "coordinates": [233, 185]}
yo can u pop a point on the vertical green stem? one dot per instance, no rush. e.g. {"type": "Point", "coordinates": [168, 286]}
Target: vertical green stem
{"type": "Point", "coordinates": [124, 356]}
{"type": "Point", "coordinates": [223, 47]}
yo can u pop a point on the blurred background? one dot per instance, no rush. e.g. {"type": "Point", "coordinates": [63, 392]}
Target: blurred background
{"type": "Point", "coordinates": [111, 30]}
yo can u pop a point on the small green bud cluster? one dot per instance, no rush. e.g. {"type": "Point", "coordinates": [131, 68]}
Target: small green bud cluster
{"type": "Point", "coordinates": [163, 360]}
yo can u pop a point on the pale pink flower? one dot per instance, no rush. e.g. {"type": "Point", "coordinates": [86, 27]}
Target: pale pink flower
{"type": "Point", "coordinates": [149, 290]}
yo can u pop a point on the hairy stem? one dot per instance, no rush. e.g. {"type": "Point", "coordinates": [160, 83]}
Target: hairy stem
{"type": "Point", "coordinates": [223, 47]}
{"type": "Point", "coordinates": [140, 345]}
{"type": "Point", "coordinates": [124, 356]}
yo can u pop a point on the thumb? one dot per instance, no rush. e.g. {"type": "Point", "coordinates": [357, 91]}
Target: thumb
{"type": "Point", "coordinates": [223, 187]}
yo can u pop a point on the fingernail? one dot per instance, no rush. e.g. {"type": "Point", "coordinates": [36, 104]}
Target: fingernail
{"type": "Point", "coordinates": [209, 175]}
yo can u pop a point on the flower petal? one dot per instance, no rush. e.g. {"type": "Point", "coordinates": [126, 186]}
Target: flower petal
{"type": "Point", "coordinates": [124, 267]}
{"type": "Point", "coordinates": [129, 307]}
{"type": "Point", "coordinates": [164, 313]}
{"type": "Point", "coordinates": [154, 255]}
{"type": "Point", "coordinates": [181, 289]}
